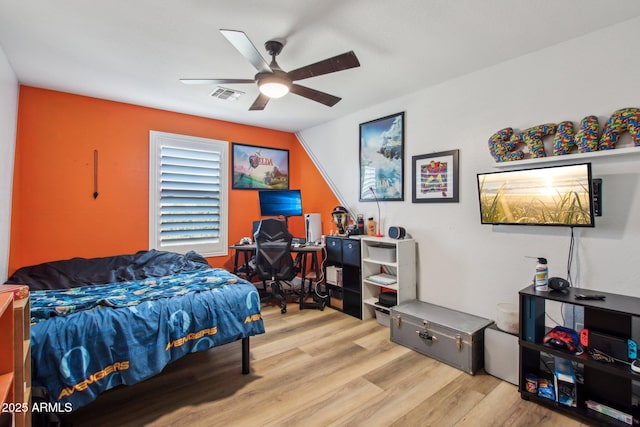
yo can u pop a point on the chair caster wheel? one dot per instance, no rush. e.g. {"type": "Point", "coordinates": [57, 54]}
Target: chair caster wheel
{"type": "Point", "coordinates": [283, 310]}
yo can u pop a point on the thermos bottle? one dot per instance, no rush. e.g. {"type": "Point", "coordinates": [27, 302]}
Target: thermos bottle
{"type": "Point", "coordinates": [542, 275]}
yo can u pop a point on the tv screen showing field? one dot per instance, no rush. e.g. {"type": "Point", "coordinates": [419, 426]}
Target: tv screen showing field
{"type": "Point", "coordinates": [544, 196]}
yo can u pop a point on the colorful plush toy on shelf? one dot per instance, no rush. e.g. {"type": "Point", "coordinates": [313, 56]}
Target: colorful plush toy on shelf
{"type": "Point", "coordinates": [624, 120]}
{"type": "Point", "coordinates": [506, 145]}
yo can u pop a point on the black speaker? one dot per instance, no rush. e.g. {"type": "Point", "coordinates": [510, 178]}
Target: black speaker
{"type": "Point", "coordinates": [558, 283]}
{"type": "Point", "coordinates": [396, 232]}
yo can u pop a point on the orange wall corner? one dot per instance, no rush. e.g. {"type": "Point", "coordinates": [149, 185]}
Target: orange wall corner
{"type": "Point", "coordinates": [54, 214]}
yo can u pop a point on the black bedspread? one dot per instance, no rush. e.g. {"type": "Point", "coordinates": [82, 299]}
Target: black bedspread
{"type": "Point", "coordinates": [76, 272]}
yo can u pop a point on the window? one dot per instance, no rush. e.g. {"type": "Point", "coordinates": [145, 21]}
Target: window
{"type": "Point", "coordinates": [188, 194]}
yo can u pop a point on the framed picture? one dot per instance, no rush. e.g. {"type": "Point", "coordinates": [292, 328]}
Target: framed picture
{"type": "Point", "coordinates": [382, 159]}
{"type": "Point", "coordinates": [259, 168]}
{"type": "Point", "coordinates": [435, 177]}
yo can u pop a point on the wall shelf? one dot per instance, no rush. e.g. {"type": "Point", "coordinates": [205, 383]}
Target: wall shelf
{"type": "Point", "coordinates": [575, 157]}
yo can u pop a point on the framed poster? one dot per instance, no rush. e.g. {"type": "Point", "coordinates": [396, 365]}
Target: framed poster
{"type": "Point", "coordinates": [259, 168]}
{"type": "Point", "coordinates": [435, 177]}
{"type": "Point", "coordinates": [382, 159]}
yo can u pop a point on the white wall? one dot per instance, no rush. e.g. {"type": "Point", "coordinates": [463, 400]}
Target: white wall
{"type": "Point", "coordinates": [471, 267]}
{"type": "Point", "coordinates": [8, 113]}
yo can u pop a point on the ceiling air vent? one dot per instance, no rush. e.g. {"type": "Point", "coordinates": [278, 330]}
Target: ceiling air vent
{"type": "Point", "coordinates": [226, 93]}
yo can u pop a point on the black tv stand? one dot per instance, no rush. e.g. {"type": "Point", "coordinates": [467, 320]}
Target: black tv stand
{"type": "Point", "coordinates": [610, 384]}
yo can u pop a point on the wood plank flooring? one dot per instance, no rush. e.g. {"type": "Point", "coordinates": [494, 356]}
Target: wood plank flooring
{"type": "Point", "coordinates": [316, 368]}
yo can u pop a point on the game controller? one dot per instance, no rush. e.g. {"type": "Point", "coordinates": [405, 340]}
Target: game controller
{"type": "Point", "coordinates": [633, 349]}
{"type": "Point", "coordinates": [562, 338]}
{"type": "Point", "coordinates": [584, 337]}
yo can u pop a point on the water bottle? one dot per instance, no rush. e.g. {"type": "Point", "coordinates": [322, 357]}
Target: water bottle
{"type": "Point", "coordinates": [542, 275]}
{"type": "Point", "coordinates": [371, 227]}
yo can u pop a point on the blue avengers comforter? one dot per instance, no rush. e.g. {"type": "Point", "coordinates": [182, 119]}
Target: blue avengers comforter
{"type": "Point", "coordinates": [87, 340]}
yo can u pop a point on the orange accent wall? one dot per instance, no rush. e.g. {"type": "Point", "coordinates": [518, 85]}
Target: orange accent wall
{"type": "Point", "coordinates": [54, 214]}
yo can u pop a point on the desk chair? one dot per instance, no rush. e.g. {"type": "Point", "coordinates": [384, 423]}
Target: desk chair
{"type": "Point", "coordinates": [273, 257]}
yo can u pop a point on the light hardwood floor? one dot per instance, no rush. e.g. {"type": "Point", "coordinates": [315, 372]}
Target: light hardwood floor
{"type": "Point", "coordinates": [316, 368]}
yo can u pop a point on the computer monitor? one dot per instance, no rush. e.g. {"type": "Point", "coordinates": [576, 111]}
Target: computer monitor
{"type": "Point", "coordinates": [280, 203]}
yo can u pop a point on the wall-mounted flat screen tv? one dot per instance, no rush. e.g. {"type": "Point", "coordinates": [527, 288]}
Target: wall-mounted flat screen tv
{"type": "Point", "coordinates": [556, 195]}
{"type": "Point", "coordinates": [280, 203]}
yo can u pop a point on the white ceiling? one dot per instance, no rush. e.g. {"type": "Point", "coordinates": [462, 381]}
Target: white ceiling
{"type": "Point", "coordinates": [136, 51]}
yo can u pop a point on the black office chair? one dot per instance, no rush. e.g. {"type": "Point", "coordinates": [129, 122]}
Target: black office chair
{"type": "Point", "coordinates": [273, 257]}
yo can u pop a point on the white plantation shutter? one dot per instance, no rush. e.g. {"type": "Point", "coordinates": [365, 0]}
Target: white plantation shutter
{"type": "Point", "coordinates": [188, 200]}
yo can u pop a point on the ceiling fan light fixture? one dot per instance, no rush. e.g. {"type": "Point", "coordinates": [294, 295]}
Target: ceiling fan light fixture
{"type": "Point", "coordinates": [273, 81]}
{"type": "Point", "coordinates": [273, 87]}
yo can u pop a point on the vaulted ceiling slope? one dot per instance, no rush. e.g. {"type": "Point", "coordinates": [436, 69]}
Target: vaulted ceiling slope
{"type": "Point", "coordinates": [137, 51]}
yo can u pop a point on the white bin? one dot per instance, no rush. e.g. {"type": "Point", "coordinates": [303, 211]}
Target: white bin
{"type": "Point", "coordinates": [382, 253]}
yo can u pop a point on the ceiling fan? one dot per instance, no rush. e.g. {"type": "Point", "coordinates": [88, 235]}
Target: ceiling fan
{"type": "Point", "coordinates": [272, 81]}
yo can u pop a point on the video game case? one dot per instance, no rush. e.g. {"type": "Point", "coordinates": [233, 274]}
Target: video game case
{"type": "Point", "coordinates": [613, 413]}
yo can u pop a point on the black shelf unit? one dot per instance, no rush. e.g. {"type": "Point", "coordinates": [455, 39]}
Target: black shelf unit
{"type": "Point", "coordinates": [610, 384]}
{"type": "Point", "coordinates": [344, 252]}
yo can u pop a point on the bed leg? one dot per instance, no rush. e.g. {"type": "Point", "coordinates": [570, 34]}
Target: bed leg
{"type": "Point", "coordinates": [245, 356]}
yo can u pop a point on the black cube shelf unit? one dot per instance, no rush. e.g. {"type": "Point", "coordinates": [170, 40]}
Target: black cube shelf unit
{"type": "Point", "coordinates": [609, 384]}
{"type": "Point", "coordinates": [343, 253]}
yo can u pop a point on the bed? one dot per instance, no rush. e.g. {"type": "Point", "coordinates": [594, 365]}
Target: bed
{"type": "Point", "coordinates": [103, 322]}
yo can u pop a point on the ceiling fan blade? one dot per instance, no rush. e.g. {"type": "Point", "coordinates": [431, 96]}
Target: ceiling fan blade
{"type": "Point", "coordinates": [241, 42]}
{"type": "Point", "coordinates": [215, 81]}
{"type": "Point", "coordinates": [259, 103]}
{"type": "Point", "coordinates": [315, 95]}
{"type": "Point", "coordinates": [329, 65]}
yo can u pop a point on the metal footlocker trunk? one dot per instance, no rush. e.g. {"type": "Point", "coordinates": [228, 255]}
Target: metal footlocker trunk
{"type": "Point", "coordinates": [450, 336]}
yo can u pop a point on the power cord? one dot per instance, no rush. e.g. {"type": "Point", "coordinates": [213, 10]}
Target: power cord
{"type": "Point", "coordinates": [319, 280]}
{"type": "Point", "coordinates": [570, 258]}
{"type": "Point", "coordinates": [569, 264]}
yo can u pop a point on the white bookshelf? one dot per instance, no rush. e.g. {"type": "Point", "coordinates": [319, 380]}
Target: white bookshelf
{"type": "Point", "coordinates": [403, 267]}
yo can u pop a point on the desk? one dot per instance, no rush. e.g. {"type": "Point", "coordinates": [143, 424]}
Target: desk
{"type": "Point", "coordinates": [250, 250]}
